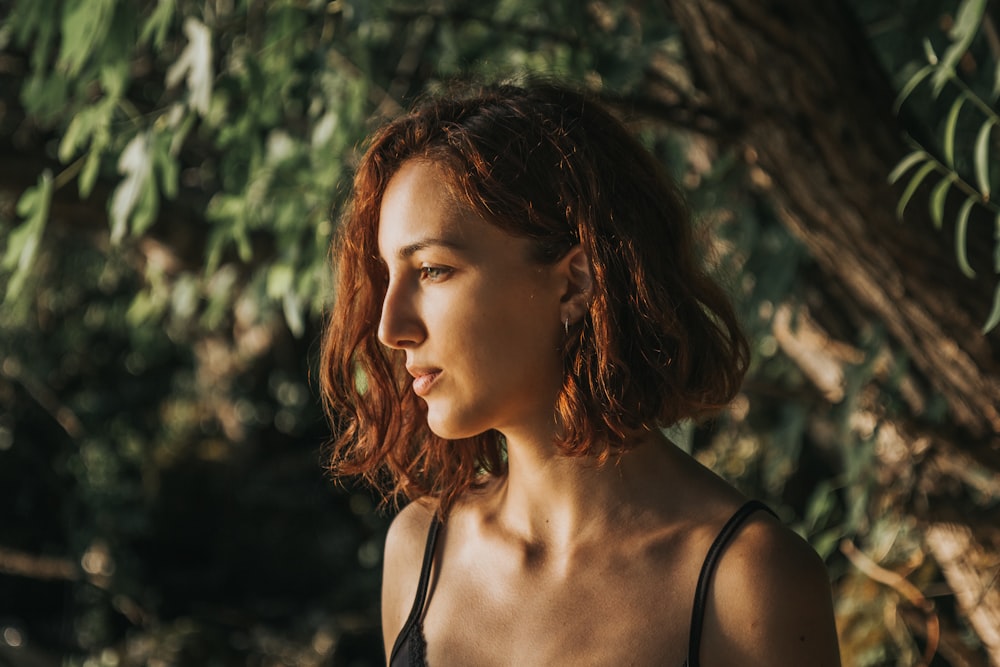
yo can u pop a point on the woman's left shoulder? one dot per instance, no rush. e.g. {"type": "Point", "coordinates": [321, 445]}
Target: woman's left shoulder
{"type": "Point", "coordinates": [771, 601]}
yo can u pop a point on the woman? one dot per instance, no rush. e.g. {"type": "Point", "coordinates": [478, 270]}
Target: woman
{"type": "Point", "coordinates": [519, 313]}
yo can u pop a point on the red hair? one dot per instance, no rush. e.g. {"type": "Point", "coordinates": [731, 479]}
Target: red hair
{"type": "Point", "coordinates": [659, 344]}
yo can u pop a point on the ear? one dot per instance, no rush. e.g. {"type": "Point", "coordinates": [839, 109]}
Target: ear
{"type": "Point", "coordinates": [574, 269]}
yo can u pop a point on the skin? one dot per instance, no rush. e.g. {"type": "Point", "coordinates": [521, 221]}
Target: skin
{"type": "Point", "coordinates": [561, 561]}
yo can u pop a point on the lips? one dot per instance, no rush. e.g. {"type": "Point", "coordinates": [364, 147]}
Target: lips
{"type": "Point", "coordinates": [423, 379]}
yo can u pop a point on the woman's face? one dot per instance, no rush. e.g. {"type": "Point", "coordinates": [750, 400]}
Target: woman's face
{"type": "Point", "coordinates": [479, 321]}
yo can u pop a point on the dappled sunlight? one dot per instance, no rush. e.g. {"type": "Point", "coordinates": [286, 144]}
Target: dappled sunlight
{"type": "Point", "coordinates": [171, 177]}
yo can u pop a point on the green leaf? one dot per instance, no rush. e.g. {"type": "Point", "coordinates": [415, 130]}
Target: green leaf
{"type": "Point", "coordinates": [46, 98]}
{"type": "Point", "coordinates": [968, 18]}
{"type": "Point", "coordinates": [929, 52]}
{"type": "Point", "coordinates": [85, 124]}
{"type": "Point", "coordinates": [825, 543]}
{"type": "Point", "coordinates": [949, 129]}
{"type": "Point", "coordinates": [84, 25]}
{"type": "Point", "coordinates": [166, 165]}
{"type": "Point", "coordinates": [24, 241]}
{"type": "Point", "coordinates": [961, 226]}
{"type": "Point", "coordinates": [942, 75]}
{"type": "Point", "coordinates": [994, 317]}
{"type": "Point", "coordinates": [182, 125]}
{"type": "Point", "coordinates": [280, 279]}
{"type": "Point", "coordinates": [904, 165]}
{"type": "Point", "coordinates": [158, 23]}
{"type": "Point", "coordinates": [981, 156]}
{"type": "Point", "coordinates": [88, 175]}
{"type": "Point", "coordinates": [114, 78]}
{"type": "Point", "coordinates": [912, 187]}
{"type": "Point", "coordinates": [911, 85]}
{"type": "Point", "coordinates": [938, 197]}
{"type": "Point", "coordinates": [195, 64]}
{"type": "Point", "coordinates": [76, 133]}
{"type": "Point", "coordinates": [32, 25]}
{"type": "Point", "coordinates": [137, 166]}
{"type": "Point", "coordinates": [292, 308]}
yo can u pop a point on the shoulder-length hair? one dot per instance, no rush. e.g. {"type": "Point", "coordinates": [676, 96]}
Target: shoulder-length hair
{"type": "Point", "coordinates": [659, 344]}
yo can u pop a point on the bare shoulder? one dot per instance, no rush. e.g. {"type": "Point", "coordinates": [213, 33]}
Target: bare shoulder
{"type": "Point", "coordinates": [404, 551]}
{"type": "Point", "coordinates": [770, 602]}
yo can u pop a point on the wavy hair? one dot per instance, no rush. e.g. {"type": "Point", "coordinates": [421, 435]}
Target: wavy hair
{"type": "Point", "coordinates": [660, 342]}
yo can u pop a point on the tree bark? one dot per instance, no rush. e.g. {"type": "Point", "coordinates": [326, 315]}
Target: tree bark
{"type": "Point", "coordinates": [815, 120]}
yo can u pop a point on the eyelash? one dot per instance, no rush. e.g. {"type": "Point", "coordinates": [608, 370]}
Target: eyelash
{"type": "Point", "coordinates": [434, 273]}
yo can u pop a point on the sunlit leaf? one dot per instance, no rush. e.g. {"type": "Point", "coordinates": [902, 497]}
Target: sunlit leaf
{"type": "Point", "coordinates": [904, 165]}
{"type": "Point", "coordinates": [92, 164]}
{"type": "Point", "coordinates": [938, 197]}
{"type": "Point", "coordinates": [967, 21]}
{"type": "Point", "coordinates": [195, 64]}
{"type": "Point", "coordinates": [912, 187]}
{"type": "Point", "coordinates": [114, 77]}
{"type": "Point", "coordinates": [826, 541]}
{"type": "Point", "coordinates": [961, 227]}
{"type": "Point", "coordinates": [167, 168]}
{"type": "Point", "coordinates": [942, 75]}
{"type": "Point", "coordinates": [279, 280]}
{"type": "Point", "coordinates": [158, 23]}
{"type": "Point", "coordinates": [182, 124]}
{"type": "Point", "coordinates": [911, 85]}
{"type": "Point", "coordinates": [87, 123]}
{"type": "Point", "coordinates": [33, 26]}
{"type": "Point", "coordinates": [137, 166]}
{"type": "Point", "coordinates": [23, 242]}
{"type": "Point", "coordinates": [77, 132]}
{"type": "Point", "coordinates": [84, 26]}
{"type": "Point", "coordinates": [929, 52]}
{"type": "Point", "coordinates": [291, 306]}
{"type": "Point", "coordinates": [981, 158]}
{"type": "Point", "coordinates": [949, 129]}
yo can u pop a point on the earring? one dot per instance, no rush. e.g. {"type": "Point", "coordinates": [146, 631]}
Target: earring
{"type": "Point", "coordinates": [566, 325]}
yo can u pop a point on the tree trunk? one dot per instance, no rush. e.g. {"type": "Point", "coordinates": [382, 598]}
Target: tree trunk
{"type": "Point", "coordinates": [814, 115]}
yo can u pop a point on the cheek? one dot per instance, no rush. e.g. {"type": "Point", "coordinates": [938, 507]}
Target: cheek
{"type": "Point", "coordinates": [525, 337]}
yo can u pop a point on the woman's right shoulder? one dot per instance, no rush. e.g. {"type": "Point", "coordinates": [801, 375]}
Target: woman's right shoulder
{"type": "Point", "coordinates": [404, 551]}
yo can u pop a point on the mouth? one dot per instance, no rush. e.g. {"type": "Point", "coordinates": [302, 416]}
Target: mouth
{"type": "Point", "coordinates": [423, 379]}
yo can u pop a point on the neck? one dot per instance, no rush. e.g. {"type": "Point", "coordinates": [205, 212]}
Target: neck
{"type": "Point", "coordinates": [559, 502]}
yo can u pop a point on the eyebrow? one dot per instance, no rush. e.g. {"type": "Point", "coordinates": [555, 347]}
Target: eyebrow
{"type": "Point", "coordinates": [408, 251]}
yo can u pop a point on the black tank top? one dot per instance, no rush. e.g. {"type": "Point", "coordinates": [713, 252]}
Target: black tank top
{"type": "Point", "coordinates": [410, 648]}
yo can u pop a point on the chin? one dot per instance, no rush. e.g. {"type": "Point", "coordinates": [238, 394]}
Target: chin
{"type": "Point", "coordinates": [450, 429]}
{"type": "Point", "coordinates": [447, 432]}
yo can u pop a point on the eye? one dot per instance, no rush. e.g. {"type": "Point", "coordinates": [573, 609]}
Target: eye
{"type": "Point", "coordinates": [434, 273]}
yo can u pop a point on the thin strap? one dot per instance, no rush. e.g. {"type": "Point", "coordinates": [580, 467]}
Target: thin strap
{"type": "Point", "coordinates": [708, 569]}
{"type": "Point", "coordinates": [425, 574]}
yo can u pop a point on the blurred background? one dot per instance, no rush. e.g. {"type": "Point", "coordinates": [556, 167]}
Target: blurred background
{"type": "Point", "coordinates": [171, 172]}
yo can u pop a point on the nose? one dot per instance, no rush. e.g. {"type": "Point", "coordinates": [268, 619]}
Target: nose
{"type": "Point", "coordinates": [400, 326]}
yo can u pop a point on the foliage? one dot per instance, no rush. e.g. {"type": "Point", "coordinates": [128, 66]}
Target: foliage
{"type": "Point", "coordinates": [155, 365]}
{"type": "Point", "coordinates": [972, 173]}
{"type": "Point", "coordinates": [179, 169]}
{"type": "Point", "coordinates": [256, 146]}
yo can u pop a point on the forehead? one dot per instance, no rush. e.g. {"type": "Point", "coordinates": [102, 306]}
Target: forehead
{"type": "Point", "coordinates": [418, 204]}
